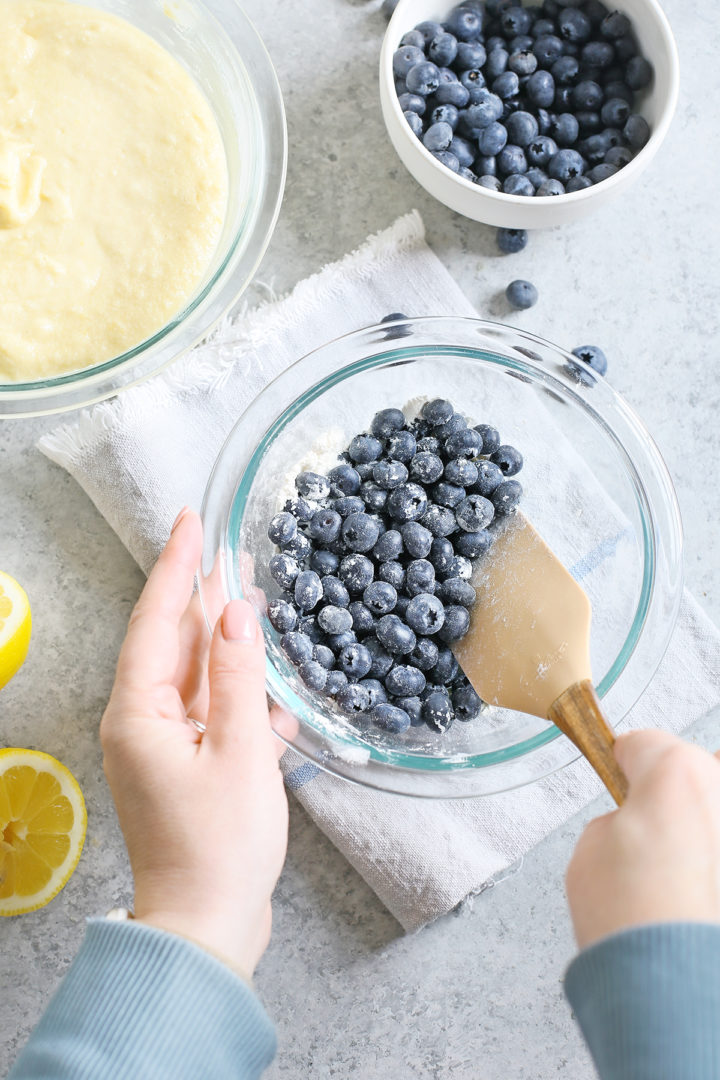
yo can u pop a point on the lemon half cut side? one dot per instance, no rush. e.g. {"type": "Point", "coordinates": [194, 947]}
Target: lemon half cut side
{"type": "Point", "coordinates": [42, 829]}
{"type": "Point", "coordinates": [15, 627]}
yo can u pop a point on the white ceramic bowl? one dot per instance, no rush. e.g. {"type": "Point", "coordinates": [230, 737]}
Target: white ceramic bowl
{"type": "Point", "coordinates": [657, 105]}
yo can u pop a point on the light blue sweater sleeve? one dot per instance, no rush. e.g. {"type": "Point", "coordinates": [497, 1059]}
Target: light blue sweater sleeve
{"type": "Point", "coordinates": [138, 1002]}
{"type": "Point", "coordinates": [648, 1002]}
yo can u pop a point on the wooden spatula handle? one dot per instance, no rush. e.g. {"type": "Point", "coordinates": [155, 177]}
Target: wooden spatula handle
{"type": "Point", "coordinates": [578, 714]}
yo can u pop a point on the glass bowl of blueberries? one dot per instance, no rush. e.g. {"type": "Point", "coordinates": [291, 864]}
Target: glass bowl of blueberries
{"type": "Point", "coordinates": [352, 502]}
{"type": "Point", "coordinates": [527, 116]}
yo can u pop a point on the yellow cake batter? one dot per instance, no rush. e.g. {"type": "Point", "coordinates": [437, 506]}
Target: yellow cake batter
{"type": "Point", "coordinates": [113, 187]}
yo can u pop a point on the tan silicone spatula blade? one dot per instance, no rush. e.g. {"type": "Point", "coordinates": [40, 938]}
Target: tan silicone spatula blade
{"type": "Point", "coordinates": [528, 645]}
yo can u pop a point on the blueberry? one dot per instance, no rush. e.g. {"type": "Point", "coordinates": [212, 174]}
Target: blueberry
{"type": "Point", "coordinates": [282, 615]}
{"type": "Point", "coordinates": [589, 121]}
{"type": "Point", "coordinates": [282, 528]}
{"type": "Point", "coordinates": [355, 660]}
{"type": "Point", "coordinates": [470, 54]}
{"type": "Point", "coordinates": [423, 78]}
{"type": "Point", "coordinates": [428, 444]}
{"type": "Point", "coordinates": [438, 136]}
{"type": "Point", "coordinates": [413, 707]}
{"type": "Point", "coordinates": [459, 566]}
{"type": "Point", "coordinates": [337, 642]}
{"type": "Point", "coordinates": [453, 93]}
{"type": "Point", "coordinates": [510, 241]}
{"type": "Point", "coordinates": [406, 57]}
{"type": "Point", "coordinates": [325, 526]}
{"type": "Point", "coordinates": [598, 54]}
{"type": "Point", "coordinates": [308, 626]}
{"type": "Point", "coordinates": [348, 504]}
{"type": "Point", "coordinates": [389, 546]}
{"type": "Point", "coordinates": [636, 131]}
{"type": "Point", "coordinates": [565, 165]}
{"type": "Point", "coordinates": [365, 449]}
{"type": "Point", "coordinates": [565, 70]}
{"type": "Point", "coordinates": [492, 139]}
{"type": "Point", "coordinates": [515, 20]}
{"type": "Point", "coordinates": [615, 25]}
{"type": "Point", "coordinates": [441, 555]}
{"type": "Point", "coordinates": [587, 95]}
{"type": "Point", "coordinates": [426, 468]}
{"type": "Point", "coordinates": [464, 23]}
{"type": "Point", "coordinates": [334, 682]}
{"type": "Point", "coordinates": [425, 615]}
{"type": "Point", "coordinates": [407, 503]}
{"type": "Point", "coordinates": [334, 592]}
{"type": "Point", "coordinates": [405, 681]}
{"type": "Point", "coordinates": [429, 30]}
{"type": "Point", "coordinates": [417, 539]}
{"type": "Point", "coordinates": [550, 187]}
{"type": "Point", "coordinates": [523, 62]}
{"type": "Point", "coordinates": [308, 590]}
{"type": "Point", "coordinates": [376, 690]}
{"type": "Point", "coordinates": [466, 703]}
{"type": "Point", "coordinates": [381, 661]}
{"type": "Point", "coordinates": [313, 486]}
{"type": "Point", "coordinates": [419, 577]}
{"type": "Point", "coordinates": [543, 27]}
{"type": "Point", "coordinates": [324, 562]}
{"type": "Point", "coordinates": [615, 112]}
{"type": "Point", "coordinates": [445, 114]}
{"type": "Point", "coordinates": [362, 617]}
{"type": "Point", "coordinates": [446, 668]}
{"type": "Point", "coordinates": [390, 718]}
{"type": "Point", "coordinates": [521, 294]}
{"type": "Point", "coordinates": [520, 43]}
{"type": "Point", "coordinates": [380, 597]}
{"type": "Point", "coordinates": [496, 63]}
{"type": "Point", "coordinates": [334, 620]}
{"type": "Point", "coordinates": [457, 621]}
{"type": "Point", "coordinates": [356, 572]}
{"type": "Point", "coordinates": [486, 165]}
{"type": "Point", "coordinates": [298, 548]}
{"type": "Point", "coordinates": [509, 459]}
{"type": "Point", "coordinates": [518, 184]}
{"type": "Point", "coordinates": [613, 137]}
{"type": "Point", "coordinates": [344, 480]}
{"type": "Point", "coordinates": [506, 497]}
{"type": "Point", "coordinates": [619, 89]}
{"type": "Point", "coordinates": [486, 108]}
{"type": "Point", "coordinates": [401, 446]}
{"type": "Point", "coordinates": [284, 570]}
{"type": "Point", "coordinates": [522, 128]}
{"type": "Point", "coordinates": [393, 573]}
{"type": "Point", "coordinates": [324, 656]}
{"type": "Point", "coordinates": [511, 160]}
{"type": "Point", "coordinates": [360, 532]}
{"type": "Point", "coordinates": [374, 496]}
{"type": "Point", "coordinates": [574, 25]}
{"type": "Point", "coordinates": [300, 508]}
{"type": "Point", "coordinates": [425, 653]}
{"type": "Point", "coordinates": [594, 148]}
{"type": "Point", "coordinates": [593, 356]}
{"type": "Point", "coordinates": [547, 48]}
{"type": "Point", "coordinates": [578, 183]}
{"type": "Point", "coordinates": [413, 37]}
{"type": "Point", "coordinates": [506, 85]}
{"type": "Point", "coordinates": [390, 474]}
{"type": "Point", "coordinates": [354, 699]}
{"type": "Point", "coordinates": [638, 73]}
{"type": "Point", "coordinates": [455, 424]}
{"type": "Point", "coordinates": [602, 172]}
{"type": "Point", "coordinates": [313, 675]}
{"type": "Point", "coordinates": [297, 646]}
{"type": "Point", "coordinates": [448, 495]}
{"type": "Point", "coordinates": [394, 635]}
{"type": "Point", "coordinates": [457, 591]}
{"type": "Point", "coordinates": [564, 129]}
{"type": "Point", "coordinates": [463, 151]}
{"type": "Point", "coordinates": [490, 182]}
{"type": "Point", "coordinates": [540, 89]}
{"type": "Point", "coordinates": [540, 150]}
{"type": "Point", "coordinates": [474, 513]}
{"type": "Point", "coordinates": [442, 50]}
{"type": "Point", "coordinates": [437, 712]}
{"type": "Point", "coordinates": [620, 156]}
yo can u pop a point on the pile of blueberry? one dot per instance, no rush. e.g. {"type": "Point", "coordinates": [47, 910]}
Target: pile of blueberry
{"type": "Point", "coordinates": [374, 564]}
{"type": "Point", "coordinates": [527, 100]}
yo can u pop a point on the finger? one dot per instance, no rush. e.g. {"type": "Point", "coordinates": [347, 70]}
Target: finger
{"type": "Point", "coordinates": [238, 712]}
{"type": "Point", "coordinates": [194, 646]}
{"type": "Point", "coordinates": [285, 725]}
{"type": "Point", "coordinates": [638, 752]}
{"type": "Point", "coordinates": [149, 655]}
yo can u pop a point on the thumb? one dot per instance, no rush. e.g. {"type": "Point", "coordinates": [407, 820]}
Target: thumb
{"type": "Point", "coordinates": [638, 752]}
{"type": "Point", "coordinates": [238, 710]}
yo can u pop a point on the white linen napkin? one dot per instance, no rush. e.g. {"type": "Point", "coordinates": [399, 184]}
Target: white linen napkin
{"type": "Point", "coordinates": [142, 456]}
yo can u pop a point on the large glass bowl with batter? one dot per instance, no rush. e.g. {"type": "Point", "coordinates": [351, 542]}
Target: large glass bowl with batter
{"type": "Point", "coordinates": [219, 46]}
{"type": "Point", "coordinates": [595, 487]}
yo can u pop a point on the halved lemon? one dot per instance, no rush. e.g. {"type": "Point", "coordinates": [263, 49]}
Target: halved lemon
{"type": "Point", "coordinates": [42, 829]}
{"type": "Point", "coordinates": [15, 627]}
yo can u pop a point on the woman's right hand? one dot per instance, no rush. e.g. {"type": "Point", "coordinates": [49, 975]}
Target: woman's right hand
{"type": "Point", "coordinates": [657, 858]}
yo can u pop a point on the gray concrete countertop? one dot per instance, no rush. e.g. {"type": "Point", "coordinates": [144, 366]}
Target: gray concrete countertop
{"type": "Point", "coordinates": [479, 993]}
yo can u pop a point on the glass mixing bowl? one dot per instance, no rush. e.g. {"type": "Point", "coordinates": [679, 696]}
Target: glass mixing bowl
{"type": "Point", "coordinates": [595, 487]}
{"type": "Point", "coordinates": [220, 47]}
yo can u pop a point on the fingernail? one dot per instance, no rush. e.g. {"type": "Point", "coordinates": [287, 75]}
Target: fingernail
{"type": "Point", "coordinates": [239, 622]}
{"type": "Point", "coordinates": [179, 518]}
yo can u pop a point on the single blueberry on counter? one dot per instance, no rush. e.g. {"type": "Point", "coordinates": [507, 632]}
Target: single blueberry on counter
{"type": "Point", "coordinates": [521, 294]}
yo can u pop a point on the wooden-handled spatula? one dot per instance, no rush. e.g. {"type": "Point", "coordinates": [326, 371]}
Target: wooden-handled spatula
{"type": "Point", "coordinates": [528, 645]}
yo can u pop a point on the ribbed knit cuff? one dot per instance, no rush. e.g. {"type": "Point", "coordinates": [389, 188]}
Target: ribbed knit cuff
{"type": "Point", "coordinates": [139, 1002]}
{"type": "Point", "coordinates": [648, 1002]}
